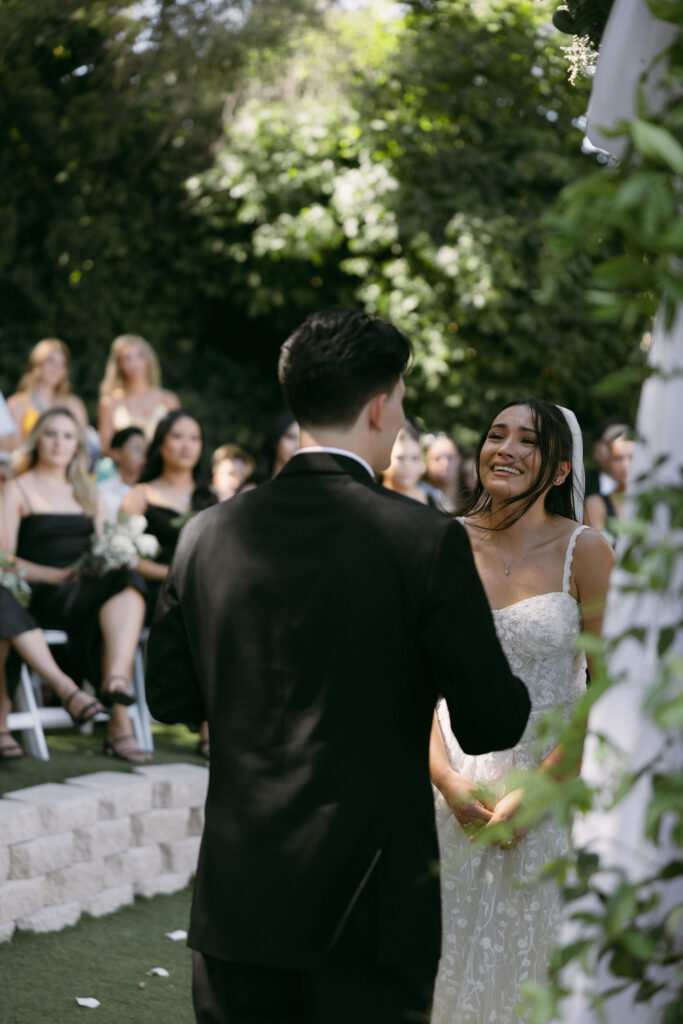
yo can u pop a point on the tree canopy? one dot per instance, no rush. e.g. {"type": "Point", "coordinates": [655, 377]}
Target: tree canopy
{"type": "Point", "coordinates": [105, 115]}
{"type": "Point", "coordinates": [210, 173]}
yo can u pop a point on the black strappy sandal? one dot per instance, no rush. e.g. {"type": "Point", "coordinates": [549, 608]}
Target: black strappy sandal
{"type": "Point", "coordinates": [120, 694]}
{"type": "Point", "coordinates": [126, 748]}
{"type": "Point", "coordinates": [89, 710]}
{"type": "Point", "coordinates": [9, 751]}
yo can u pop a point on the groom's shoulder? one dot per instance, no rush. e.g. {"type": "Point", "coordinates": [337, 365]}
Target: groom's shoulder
{"type": "Point", "coordinates": [202, 524]}
{"type": "Point", "coordinates": [404, 514]}
{"type": "Point", "coordinates": [365, 506]}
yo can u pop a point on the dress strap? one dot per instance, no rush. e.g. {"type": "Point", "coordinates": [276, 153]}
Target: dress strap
{"type": "Point", "coordinates": [23, 491]}
{"type": "Point", "coordinates": [569, 557]}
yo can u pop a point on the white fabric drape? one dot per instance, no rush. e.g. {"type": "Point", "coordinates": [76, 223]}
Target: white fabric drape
{"type": "Point", "coordinates": [617, 835]}
{"type": "Point", "coordinates": [632, 41]}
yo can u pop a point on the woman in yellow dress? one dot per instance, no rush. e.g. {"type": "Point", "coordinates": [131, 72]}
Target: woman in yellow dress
{"type": "Point", "coordinates": [44, 384]}
{"type": "Point", "coordinates": [131, 394]}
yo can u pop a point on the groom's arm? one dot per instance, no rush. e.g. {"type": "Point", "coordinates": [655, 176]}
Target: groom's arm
{"type": "Point", "coordinates": [488, 705]}
{"type": "Point", "coordinates": [173, 694]}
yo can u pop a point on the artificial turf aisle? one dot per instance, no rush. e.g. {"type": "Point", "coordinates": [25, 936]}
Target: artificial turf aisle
{"type": "Point", "coordinates": [106, 958]}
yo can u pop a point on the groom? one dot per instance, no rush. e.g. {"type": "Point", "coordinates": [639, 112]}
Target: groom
{"type": "Point", "coordinates": [314, 622]}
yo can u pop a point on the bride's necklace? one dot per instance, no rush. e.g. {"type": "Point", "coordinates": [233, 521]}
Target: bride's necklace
{"type": "Point", "coordinates": [509, 562]}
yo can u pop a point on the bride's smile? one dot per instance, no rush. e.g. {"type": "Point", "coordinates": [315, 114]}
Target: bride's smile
{"type": "Point", "coordinates": [510, 451]}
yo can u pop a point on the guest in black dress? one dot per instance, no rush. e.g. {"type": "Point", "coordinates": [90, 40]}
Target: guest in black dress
{"type": "Point", "coordinates": [51, 511]}
{"type": "Point", "coordinates": [443, 471]}
{"type": "Point", "coordinates": [173, 485]}
{"type": "Point", "coordinates": [279, 445]}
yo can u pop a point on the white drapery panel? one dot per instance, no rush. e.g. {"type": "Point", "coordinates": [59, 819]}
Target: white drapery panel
{"type": "Point", "coordinates": [632, 42]}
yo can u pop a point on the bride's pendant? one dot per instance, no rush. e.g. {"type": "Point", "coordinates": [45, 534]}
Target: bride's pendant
{"type": "Point", "coordinates": [507, 568]}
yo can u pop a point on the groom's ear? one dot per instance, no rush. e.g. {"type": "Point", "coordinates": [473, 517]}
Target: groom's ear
{"type": "Point", "coordinates": [375, 409]}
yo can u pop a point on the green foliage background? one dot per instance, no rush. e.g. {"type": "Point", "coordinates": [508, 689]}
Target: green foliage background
{"type": "Point", "coordinates": [210, 174]}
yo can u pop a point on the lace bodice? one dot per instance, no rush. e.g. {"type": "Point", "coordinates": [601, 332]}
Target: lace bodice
{"type": "Point", "coordinates": [538, 637]}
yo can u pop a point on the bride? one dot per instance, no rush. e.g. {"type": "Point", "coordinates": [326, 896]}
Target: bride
{"type": "Point", "coordinates": [546, 579]}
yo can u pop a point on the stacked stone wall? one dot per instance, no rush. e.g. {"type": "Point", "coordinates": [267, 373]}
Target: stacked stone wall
{"type": "Point", "coordinates": [91, 844]}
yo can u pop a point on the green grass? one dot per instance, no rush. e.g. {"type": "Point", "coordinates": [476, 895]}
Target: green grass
{"type": "Point", "coordinates": [73, 754]}
{"type": "Point", "coordinates": [107, 958]}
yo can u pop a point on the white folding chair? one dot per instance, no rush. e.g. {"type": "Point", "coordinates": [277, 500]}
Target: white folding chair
{"type": "Point", "coordinates": [31, 717]}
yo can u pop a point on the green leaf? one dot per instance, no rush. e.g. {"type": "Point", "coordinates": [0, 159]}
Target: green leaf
{"type": "Point", "coordinates": [621, 909]}
{"type": "Point", "coordinates": [647, 989]}
{"type": "Point", "coordinates": [667, 10]}
{"type": "Point", "coordinates": [634, 190]}
{"type": "Point", "coordinates": [638, 945]}
{"type": "Point", "coordinates": [669, 714]}
{"type": "Point", "coordinates": [657, 143]}
{"type": "Point", "coordinates": [666, 638]}
{"type": "Point", "coordinates": [673, 1013]}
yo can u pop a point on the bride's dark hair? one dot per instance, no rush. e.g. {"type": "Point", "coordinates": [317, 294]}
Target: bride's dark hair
{"type": "Point", "coordinates": [555, 446]}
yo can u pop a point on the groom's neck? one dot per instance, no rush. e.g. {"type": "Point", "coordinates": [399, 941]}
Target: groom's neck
{"type": "Point", "coordinates": [351, 439]}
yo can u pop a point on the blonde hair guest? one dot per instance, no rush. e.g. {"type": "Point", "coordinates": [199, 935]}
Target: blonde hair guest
{"type": "Point", "coordinates": [130, 393]}
{"type": "Point", "coordinates": [406, 467]}
{"type": "Point", "coordinates": [50, 512]}
{"type": "Point", "coordinates": [43, 385]}
{"type": "Point", "coordinates": [76, 473]}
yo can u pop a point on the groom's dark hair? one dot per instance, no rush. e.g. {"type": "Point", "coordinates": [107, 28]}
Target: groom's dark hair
{"type": "Point", "coordinates": [336, 361]}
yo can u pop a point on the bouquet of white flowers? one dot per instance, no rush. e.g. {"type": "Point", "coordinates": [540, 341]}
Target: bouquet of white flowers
{"type": "Point", "coordinates": [13, 578]}
{"type": "Point", "coordinates": [118, 546]}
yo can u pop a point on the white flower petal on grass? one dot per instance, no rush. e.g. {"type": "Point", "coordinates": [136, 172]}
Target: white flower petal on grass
{"type": "Point", "coordinates": [88, 1001]}
{"type": "Point", "coordinates": [160, 972]}
{"type": "Point", "coordinates": [176, 936]}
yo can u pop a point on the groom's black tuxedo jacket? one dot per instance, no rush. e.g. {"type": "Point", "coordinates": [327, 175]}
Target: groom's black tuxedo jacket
{"type": "Point", "coordinates": [314, 621]}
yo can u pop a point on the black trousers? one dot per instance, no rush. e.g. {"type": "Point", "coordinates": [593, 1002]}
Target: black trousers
{"type": "Point", "coordinates": [352, 988]}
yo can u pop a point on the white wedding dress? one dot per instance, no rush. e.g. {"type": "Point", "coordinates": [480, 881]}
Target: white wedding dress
{"type": "Point", "coordinates": [498, 931]}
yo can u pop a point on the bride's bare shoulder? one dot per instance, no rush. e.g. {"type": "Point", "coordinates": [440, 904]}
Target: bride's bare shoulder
{"type": "Point", "coordinates": [592, 555]}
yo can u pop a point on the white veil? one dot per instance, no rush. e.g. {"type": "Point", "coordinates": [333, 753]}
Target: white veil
{"type": "Point", "coordinates": [578, 472]}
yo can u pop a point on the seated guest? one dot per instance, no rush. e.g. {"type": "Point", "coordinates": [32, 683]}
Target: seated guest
{"type": "Point", "coordinates": [280, 443]}
{"type": "Point", "coordinates": [468, 475]}
{"type": "Point", "coordinates": [50, 512]}
{"type": "Point", "coordinates": [172, 487]}
{"type": "Point", "coordinates": [45, 384]}
{"type": "Point", "coordinates": [130, 393]}
{"type": "Point", "coordinates": [128, 451]}
{"type": "Point", "coordinates": [230, 466]}
{"type": "Point", "coordinates": [599, 479]}
{"type": "Point", "coordinates": [407, 466]}
{"type": "Point", "coordinates": [8, 429]}
{"type": "Point", "coordinates": [443, 471]}
{"type": "Point", "coordinates": [601, 507]}
{"type": "Point", "coordinates": [19, 630]}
